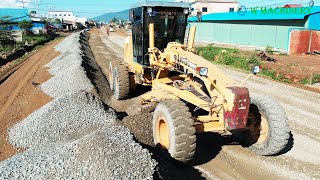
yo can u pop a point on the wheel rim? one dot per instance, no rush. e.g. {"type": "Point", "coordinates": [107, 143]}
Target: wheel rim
{"type": "Point", "coordinates": [162, 133]}
{"type": "Point", "coordinates": [264, 129]}
{"type": "Point", "coordinates": [259, 130]}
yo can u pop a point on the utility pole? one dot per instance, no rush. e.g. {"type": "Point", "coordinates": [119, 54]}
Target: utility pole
{"type": "Point", "coordinates": [23, 2]}
{"type": "Point", "coordinates": [37, 3]}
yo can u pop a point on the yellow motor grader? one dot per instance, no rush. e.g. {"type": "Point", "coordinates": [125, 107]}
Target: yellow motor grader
{"type": "Point", "coordinates": [193, 95]}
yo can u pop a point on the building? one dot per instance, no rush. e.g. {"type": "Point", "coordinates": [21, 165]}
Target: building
{"type": "Point", "coordinates": [13, 17]}
{"type": "Point", "coordinates": [67, 16]}
{"type": "Point", "coordinates": [292, 30]}
{"type": "Point", "coordinates": [38, 25]}
{"type": "Point", "coordinates": [59, 14]}
{"type": "Point", "coordinates": [292, 5]}
{"type": "Point", "coordinates": [212, 6]}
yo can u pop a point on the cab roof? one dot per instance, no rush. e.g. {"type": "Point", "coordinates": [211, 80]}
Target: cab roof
{"type": "Point", "coordinates": [160, 4]}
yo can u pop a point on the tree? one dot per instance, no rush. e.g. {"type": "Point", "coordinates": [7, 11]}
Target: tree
{"type": "Point", "coordinates": [32, 13]}
{"type": "Point", "coordinates": [114, 20]}
{"type": "Point", "coordinates": [57, 21]}
{"type": "Point", "coordinates": [6, 36]}
{"type": "Point", "coordinates": [25, 25]}
{"type": "Point", "coordinates": [80, 26]}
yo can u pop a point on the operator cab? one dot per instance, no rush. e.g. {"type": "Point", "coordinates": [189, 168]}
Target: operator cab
{"type": "Point", "coordinates": [170, 21]}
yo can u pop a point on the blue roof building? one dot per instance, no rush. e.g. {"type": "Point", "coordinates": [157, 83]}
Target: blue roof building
{"type": "Point", "coordinates": [14, 15]}
{"type": "Point", "coordinates": [258, 27]}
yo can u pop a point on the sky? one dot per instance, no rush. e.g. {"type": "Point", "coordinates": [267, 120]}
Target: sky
{"type": "Point", "coordinates": [93, 8]}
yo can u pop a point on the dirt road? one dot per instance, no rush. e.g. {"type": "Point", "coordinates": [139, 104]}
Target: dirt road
{"type": "Point", "coordinates": [221, 158]}
{"type": "Point", "coordinates": [20, 94]}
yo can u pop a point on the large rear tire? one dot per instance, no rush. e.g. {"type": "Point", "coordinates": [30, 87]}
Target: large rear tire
{"type": "Point", "coordinates": [268, 123]}
{"type": "Point", "coordinates": [121, 79]}
{"type": "Point", "coordinates": [173, 130]}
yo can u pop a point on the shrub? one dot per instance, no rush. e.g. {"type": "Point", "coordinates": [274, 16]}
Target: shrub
{"type": "Point", "coordinates": [269, 50]}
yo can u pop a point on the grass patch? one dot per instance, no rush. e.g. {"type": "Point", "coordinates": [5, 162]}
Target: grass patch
{"type": "Point", "coordinates": [313, 79]}
{"type": "Point", "coordinates": [6, 48]}
{"type": "Point", "coordinates": [246, 59]}
{"type": "Point", "coordinates": [316, 78]}
{"type": "Point", "coordinates": [269, 50]}
{"type": "Point", "coordinates": [231, 57]}
{"type": "Point", "coordinates": [36, 38]}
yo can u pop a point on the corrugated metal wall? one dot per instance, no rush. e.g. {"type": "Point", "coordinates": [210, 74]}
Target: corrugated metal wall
{"type": "Point", "coordinates": [302, 41]}
{"type": "Point", "coordinates": [249, 33]}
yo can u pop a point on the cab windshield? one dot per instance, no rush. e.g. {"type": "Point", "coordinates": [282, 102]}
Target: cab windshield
{"type": "Point", "coordinates": [169, 26]}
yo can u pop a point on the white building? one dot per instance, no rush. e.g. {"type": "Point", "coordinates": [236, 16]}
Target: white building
{"type": "Point", "coordinates": [66, 16]}
{"type": "Point", "coordinates": [212, 6]}
{"type": "Point", "coordinates": [59, 14]}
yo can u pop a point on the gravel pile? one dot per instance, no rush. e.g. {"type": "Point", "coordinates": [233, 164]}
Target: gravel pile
{"type": "Point", "coordinates": [69, 75]}
{"type": "Point", "coordinates": [68, 43]}
{"type": "Point", "coordinates": [72, 81]}
{"type": "Point", "coordinates": [67, 117]}
{"type": "Point", "coordinates": [75, 136]}
{"type": "Point", "coordinates": [108, 153]}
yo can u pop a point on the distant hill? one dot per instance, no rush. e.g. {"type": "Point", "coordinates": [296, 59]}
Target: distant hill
{"type": "Point", "coordinates": [109, 16]}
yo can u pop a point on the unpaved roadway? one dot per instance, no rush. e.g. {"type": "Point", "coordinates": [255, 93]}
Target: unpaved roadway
{"type": "Point", "coordinates": [221, 158]}
{"type": "Point", "coordinates": [20, 94]}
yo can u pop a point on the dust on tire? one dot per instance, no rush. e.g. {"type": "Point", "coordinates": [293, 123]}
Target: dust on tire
{"type": "Point", "coordinates": [121, 81]}
{"type": "Point", "coordinates": [278, 132]}
{"type": "Point", "coordinates": [182, 132]}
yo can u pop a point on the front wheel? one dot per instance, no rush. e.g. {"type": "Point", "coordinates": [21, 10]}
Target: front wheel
{"type": "Point", "coordinates": [121, 79]}
{"type": "Point", "coordinates": [268, 126]}
{"type": "Point", "coordinates": [173, 130]}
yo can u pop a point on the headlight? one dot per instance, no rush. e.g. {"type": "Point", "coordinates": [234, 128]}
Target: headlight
{"type": "Point", "coordinates": [202, 71]}
{"type": "Point", "coordinates": [149, 9]}
{"type": "Point", "coordinates": [186, 11]}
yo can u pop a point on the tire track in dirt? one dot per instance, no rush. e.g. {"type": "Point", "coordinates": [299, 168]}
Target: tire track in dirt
{"type": "Point", "coordinates": [30, 67]}
{"type": "Point", "coordinates": [20, 94]}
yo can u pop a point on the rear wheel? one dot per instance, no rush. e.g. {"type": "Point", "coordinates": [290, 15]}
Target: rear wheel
{"type": "Point", "coordinates": [268, 126]}
{"type": "Point", "coordinates": [121, 79]}
{"type": "Point", "coordinates": [173, 130]}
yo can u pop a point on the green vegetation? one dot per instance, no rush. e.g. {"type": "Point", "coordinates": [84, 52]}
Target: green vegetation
{"type": "Point", "coordinates": [36, 38]}
{"type": "Point", "coordinates": [315, 78]}
{"type": "Point", "coordinates": [232, 57]}
{"type": "Point", "coordinates": [269, 50]}
{"type": "Point", "coordinates": [114, 20]}
{"type": "Point", "coordinates": [57, 21]}
{"type": "Point", "coordinates": [25, 26]}
{"type": "Point", "coordinates": [7, 41]}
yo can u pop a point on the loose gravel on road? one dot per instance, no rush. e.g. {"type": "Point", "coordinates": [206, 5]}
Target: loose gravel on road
{"type": "Point", "coordinates": [75, 136]}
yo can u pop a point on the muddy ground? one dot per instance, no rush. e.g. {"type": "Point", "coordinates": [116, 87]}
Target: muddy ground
{"type": "Point", "coordinates": [217, 157]}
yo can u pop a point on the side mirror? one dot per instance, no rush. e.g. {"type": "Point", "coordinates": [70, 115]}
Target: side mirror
{"type": "Point", "coordinates": [255, 69]}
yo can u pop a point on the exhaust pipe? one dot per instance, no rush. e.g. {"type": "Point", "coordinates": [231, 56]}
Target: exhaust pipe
{"type": "Point", "coordinates": [192, 35]}
{"type": "Point", "coordinates": [151, 35]}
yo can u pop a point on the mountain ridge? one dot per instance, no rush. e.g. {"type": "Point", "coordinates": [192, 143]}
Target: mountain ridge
{"type": "Point", "coordinates": [109, 16]}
